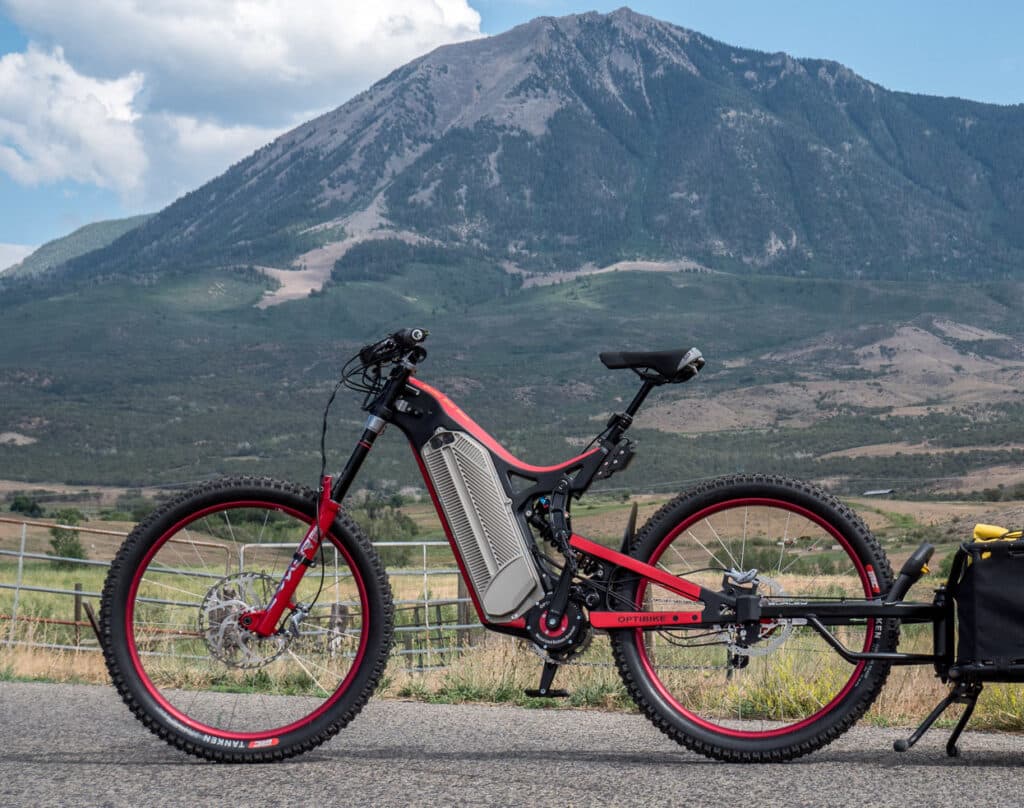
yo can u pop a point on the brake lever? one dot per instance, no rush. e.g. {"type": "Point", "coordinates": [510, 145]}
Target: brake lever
{"type": "Point", "coordinates": [378, 352]}
{"type": "Point", "coordinates": [404, 342]}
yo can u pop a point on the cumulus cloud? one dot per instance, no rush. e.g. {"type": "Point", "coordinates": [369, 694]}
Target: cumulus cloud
{"type": "Point", "coordinates": [188, 150]}
{"type": "Point", "coordinates": [57, 124]}
{"type": "Point", "coordinates": [153, 97]}
{"type": "Point", "coordinates": [253, 61]}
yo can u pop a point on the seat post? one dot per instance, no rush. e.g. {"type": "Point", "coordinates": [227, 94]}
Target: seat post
{"type": "Point", "coordinates": [638, 399]}
{"type": "Point", "coordinates": [620, 423]}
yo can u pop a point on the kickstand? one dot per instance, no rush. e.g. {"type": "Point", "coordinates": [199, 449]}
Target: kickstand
{"type": "Point", "coordinates": [546, 678]}
{"type": "Point", "coordinates": [962, 693]}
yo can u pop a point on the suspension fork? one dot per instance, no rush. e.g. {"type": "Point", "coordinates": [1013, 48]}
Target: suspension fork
{"type": "Point", "coordinates": [264, 622]}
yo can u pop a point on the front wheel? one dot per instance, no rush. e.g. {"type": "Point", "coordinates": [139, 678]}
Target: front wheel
{"type": "Point", "coordinates": [189, 670]}
{"type": "Point", "coordinates": [782, 692]}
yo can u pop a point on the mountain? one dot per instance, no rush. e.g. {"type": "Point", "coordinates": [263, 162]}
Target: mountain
{"type": "Point", "coordinates": [598, 138]}
{"type": "Point", "coordinates": [83, 240]}
{"type": "Point", "coordinates": [848, 258]}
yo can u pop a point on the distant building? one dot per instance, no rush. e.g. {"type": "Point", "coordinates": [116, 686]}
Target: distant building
{"type": "Point", "coordinates": [879, 492]}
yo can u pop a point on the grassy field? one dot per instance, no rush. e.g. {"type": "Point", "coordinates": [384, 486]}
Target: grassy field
{"type": "Point", "coordinates": [208, 384]}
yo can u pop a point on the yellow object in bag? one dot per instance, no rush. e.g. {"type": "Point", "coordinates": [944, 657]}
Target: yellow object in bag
{"type": "Point", "coordinates": [985, 533]}
{"type": "Point", "coordinates": [994, 533]}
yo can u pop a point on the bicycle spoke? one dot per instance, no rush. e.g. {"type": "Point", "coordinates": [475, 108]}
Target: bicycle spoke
{"type": "Point", "coordinates": [754, 680]}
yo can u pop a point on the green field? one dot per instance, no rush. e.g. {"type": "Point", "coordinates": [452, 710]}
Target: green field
{"type": "Point", "coordinates": [205, 384]}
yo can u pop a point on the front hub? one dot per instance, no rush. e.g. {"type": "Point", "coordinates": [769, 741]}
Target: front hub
{"type": "Point", "coordinates": [226, 618]}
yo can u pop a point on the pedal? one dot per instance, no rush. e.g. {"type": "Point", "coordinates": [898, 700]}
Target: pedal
{"type": "Point", "coordinates": [546, 694]}
{"type": "Point", "coordinates": [545, 691]}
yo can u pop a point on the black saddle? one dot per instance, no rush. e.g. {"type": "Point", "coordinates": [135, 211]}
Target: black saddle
{"type": "Point", "coordinates": [660, 367]}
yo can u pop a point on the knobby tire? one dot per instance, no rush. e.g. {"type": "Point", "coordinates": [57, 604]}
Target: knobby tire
{"type": "Point", "coordinates": [787, 693]}
{"type": "Point", "coordinates": [172, 642]}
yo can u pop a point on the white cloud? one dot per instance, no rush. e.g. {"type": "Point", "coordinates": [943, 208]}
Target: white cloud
{"type": "Point", "coordinates": [253, 61]}
{"type": "Point", "coordinates": [196, 138]}
{"type": "Point", "coordinates": [186, 151]}
{"type": "Point", "coordinates": [154, 97]}
{"type": "Point", "coordinates": [11, 254]}
{"type": "Point", "coordinates": [57, 124]}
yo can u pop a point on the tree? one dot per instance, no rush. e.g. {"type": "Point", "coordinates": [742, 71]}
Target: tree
{"type": "Point", "coordinates": [383, 520]}
{"type": "Point", "coordinates": [64, 540]}
{"type": "Point", "coordinates": [26, 505]}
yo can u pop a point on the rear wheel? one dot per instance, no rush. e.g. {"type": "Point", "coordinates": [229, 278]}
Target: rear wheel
{"type": "Point", "coordinates": [187, 668]}
{"type": "Point", "coordinates": [782, 691]}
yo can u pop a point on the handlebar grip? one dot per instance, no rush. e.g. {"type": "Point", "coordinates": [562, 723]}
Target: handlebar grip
{"type": "Point", "coordinates": [392, 347]}
{"type": "Point", "coordinates": [409, 337]}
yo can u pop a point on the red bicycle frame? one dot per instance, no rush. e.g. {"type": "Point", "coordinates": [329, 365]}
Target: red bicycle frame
{"type": "Point", "coordinates": [439, 431]}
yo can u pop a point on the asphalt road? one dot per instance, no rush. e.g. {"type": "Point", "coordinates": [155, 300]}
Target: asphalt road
{"type": "Point", "coordinates": [79, 746]}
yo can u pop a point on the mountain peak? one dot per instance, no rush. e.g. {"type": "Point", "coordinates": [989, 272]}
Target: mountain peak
{"type": "Point", "coordinates": [605, 137]}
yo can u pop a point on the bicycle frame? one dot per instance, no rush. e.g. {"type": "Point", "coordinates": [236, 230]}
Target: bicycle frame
{"type": "Point", "coordinates": [425, 414]}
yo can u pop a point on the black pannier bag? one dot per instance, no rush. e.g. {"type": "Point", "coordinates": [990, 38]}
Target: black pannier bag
{"type": "Point", "coordinates": [987, 583]}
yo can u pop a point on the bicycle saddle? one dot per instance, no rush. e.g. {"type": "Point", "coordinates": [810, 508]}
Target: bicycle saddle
{"type": "Point", "coordinates": [661, 367]}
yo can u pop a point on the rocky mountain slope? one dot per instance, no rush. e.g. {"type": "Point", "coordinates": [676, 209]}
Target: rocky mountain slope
{"type": "Point", "coordinates": [599, 138]}
{"type": "Point", "coordinates": [848, 258]}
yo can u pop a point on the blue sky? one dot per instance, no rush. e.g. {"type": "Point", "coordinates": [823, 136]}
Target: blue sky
{"type": "Point", "coordinates": [116, 107]}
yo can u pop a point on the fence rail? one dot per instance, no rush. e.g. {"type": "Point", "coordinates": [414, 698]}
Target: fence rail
{"type": "Point", "coordinates": [430, 631]}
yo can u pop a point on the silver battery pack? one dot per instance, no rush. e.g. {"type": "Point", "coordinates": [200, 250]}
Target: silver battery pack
{"type": "Point", "coordinates": [479, 513]}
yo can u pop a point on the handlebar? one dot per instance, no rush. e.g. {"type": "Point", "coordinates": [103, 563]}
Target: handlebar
{"type": "Point", "coordinates": [402, 343]}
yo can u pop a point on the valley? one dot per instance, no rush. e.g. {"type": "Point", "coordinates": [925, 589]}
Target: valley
{"type": "Point", "coordinates": [859, 384]}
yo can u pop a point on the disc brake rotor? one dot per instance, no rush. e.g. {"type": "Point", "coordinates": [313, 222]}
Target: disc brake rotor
{"type": "Point", "coordinates": [772, 634]}
{"type": "Point", "coordinates": [229, 599]}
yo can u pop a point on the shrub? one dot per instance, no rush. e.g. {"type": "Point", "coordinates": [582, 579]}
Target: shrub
{"type": "Point", "coordinates": [26, 505]}
{"type": "Point", "coordinates": [64, 540]}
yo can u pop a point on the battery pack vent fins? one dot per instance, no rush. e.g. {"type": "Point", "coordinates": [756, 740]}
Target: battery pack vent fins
{"type": "Point", "coordinates": [479, 513]}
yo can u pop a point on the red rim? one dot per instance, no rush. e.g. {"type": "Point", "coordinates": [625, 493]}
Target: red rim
{"type": "Point", "coordinates": [789, 728]}
{"type": "Point", "coordinates": [154, 692]}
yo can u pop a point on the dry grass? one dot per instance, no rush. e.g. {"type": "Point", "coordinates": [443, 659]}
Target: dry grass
{"type": "Point", "coordinates": [78, 667]}
{"type": "Point", "coordinates": [27, 661]}
{"type": "Point", "coordinates": [499, 670]}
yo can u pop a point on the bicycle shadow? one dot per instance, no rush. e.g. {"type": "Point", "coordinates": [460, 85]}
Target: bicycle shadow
{"type": "Point", "coordinates": [976, 755]}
